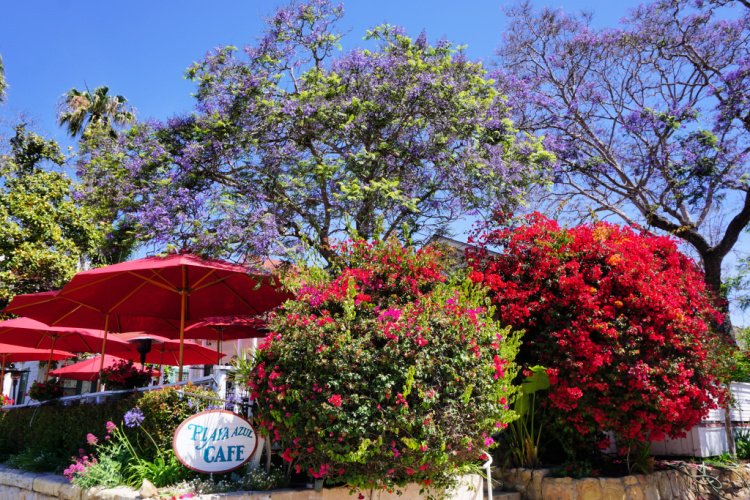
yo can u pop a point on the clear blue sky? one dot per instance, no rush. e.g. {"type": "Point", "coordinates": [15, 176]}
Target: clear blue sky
{"type": "Point", "coordinates": [141, 48]}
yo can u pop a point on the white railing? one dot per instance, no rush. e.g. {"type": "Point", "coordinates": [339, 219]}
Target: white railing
{"type": "Point", "coordinates": [102, 396]}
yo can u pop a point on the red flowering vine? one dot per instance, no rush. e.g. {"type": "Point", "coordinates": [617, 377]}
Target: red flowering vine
{"type": "Point", "coordinates": [620, 318]}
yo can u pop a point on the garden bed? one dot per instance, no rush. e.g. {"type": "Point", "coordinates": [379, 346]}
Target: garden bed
{"type": "Point", "coordinates": [18, 484]}
{"type": "Point", "coordinates": [684, 482]}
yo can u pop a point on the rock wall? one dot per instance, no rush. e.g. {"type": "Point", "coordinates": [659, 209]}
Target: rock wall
{"type": "Point", "coordinates": [19, 485]}
{"type": "Point", "coordinates": [689, 483]}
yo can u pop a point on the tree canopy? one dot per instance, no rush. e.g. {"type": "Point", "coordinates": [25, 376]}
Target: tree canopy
{"type": "Point", "coordinates": [83, 110]}
{"type": "Point", "coordinates": [293, 141]}
{"type": "Point", "coordinates": [648, 121]}
{"type": "Point", "coordinates": [3, 83]}
{"type": "Point", "coordinates": [44, 233]}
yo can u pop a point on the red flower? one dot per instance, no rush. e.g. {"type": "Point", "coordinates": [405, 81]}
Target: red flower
{"type": "Point", "coordinates": [620, 319]}
{"type": "Point", "coordinates": [335, 400]}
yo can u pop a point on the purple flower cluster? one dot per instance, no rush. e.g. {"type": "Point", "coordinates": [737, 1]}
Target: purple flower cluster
{"type": "Point", "coordinates": [134, 417]}
{"type": "Point", "coordinates": [292, 143]}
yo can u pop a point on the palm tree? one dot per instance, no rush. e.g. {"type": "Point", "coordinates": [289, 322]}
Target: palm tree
{"type": "Point", "coordinates": [3, 84]}
{"type": "Point", "coordinates": [82, 110]}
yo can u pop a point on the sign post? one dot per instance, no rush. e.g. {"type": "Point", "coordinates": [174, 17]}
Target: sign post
{"type": "Point", "coordinates": [214, 441]}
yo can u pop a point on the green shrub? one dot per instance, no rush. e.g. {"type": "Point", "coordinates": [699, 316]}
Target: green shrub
{"type": "Point", "coordinates": [55, 433]}
{"type": "Point", "coordinates": [742, 444]}
{"type": "Point", "coordinates": [164, 410]}
{"type": "Point", "coordinates": [105, 472]}
{"type": "Point", "coordinates": [54, 430]}
{"type": "Point", "coordinates": [36, 460]}
{"type": "Point", "coordinates": [386, 374]}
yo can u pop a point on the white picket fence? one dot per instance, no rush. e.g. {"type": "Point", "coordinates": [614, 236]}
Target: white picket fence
{"type": "Point", "coordinates": [709, 438]}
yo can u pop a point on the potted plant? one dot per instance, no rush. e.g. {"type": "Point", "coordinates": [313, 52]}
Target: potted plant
{"type": "Point", "coordinates": [45, 391]}
{"type": "Point", "coordinates": [125, 375]}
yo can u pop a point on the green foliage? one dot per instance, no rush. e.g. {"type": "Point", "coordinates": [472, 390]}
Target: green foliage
{"type": "Point", "coordinates": [255, 479]}
{"type": "Point", "coordinates": [164, 410]}
{"type": "Point", "coordinates": [242, 367]}
{"type": "Point", "coordinates": [405, 374]}
{"type": "Point", "coordinates": [3, 83]}
{"type": "Point", "coordinates": [164, 470]}
{"type": "Point", "coordinates": [44, 234]}
{"type": "Point", "coordinates": [36, 460]}
{"type": "Point", "coordinates": [55, 430]}
{"type": "Point", "coordinates": [524, 434]}
{"type": "Point", "coordinates": [105, 472]}
{"type": "Point", "coordinates": [737, 365]}
{"type": "Point", "coordinates": [742, 444]}
{"type": "Point", "coordinates": [86, 110]}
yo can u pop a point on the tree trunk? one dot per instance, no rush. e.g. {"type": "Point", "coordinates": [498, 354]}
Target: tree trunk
{"type": "Point", "coordinates": [712, 269]}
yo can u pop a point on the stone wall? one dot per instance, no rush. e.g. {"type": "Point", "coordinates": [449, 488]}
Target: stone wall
{"type": "Point", "coordinates": [19, 485]}
{"type": "Point", "coordinates": [689, 483]}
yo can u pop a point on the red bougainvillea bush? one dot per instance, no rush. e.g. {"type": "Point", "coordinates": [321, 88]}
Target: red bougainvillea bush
{"type": "Point", "coordinates": [388, 373]}
{"type": "Point", "coordinates": [620, 319]}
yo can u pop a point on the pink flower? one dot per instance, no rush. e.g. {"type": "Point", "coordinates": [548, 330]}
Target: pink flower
{"type": "Point", "coordinates": [111, 426]}
{"type": "Point", "coordinates": [91, 439]}
{"type": "Point", "coordinates": [335, 400]}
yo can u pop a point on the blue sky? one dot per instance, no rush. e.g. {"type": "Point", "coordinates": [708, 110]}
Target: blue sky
{"type": "Point", "coordinates": [141, 48]}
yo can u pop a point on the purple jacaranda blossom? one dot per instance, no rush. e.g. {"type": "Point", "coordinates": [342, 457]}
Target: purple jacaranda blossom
{"type": "Point", "coordinates": [294, 145]}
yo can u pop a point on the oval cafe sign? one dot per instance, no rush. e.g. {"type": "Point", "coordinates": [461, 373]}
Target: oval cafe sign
{"type": "Point", "coordinates": [214, 441]}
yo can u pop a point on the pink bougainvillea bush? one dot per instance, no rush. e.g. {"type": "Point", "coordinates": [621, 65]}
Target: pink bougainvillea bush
{"type": "Point", "coordinates": [387, 373]}
{"type": "Point", "coordinates": [620, 318]}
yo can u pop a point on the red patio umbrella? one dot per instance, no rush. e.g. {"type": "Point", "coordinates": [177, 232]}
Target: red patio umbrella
{"type": "Point", "coordinates": [13, 354]}
{"type": "Point", "coordinates": [88, 369]}
{"type": "Point", "coordinates": [27, 332]}
{"type": "Point", "coordinates": [221, 328]}
{"type": "Point", "coordinates": [180, 288]}
{"type": "Point", "coordinates": [57, 310]}
{"type": "Point", "coordinates": [166, 351]}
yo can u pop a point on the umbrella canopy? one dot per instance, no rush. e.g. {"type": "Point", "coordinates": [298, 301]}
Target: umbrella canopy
{"type": "Point", "coordinates": [31, 333]}
{"type": "Point", "coordinates": [180, 288]}
{"type": "Point", "coordinates": [222, 328]}
{"type": "Point", "coordinates": [227, 328]}
{"type": "Point", "coordinates": [166, 351]}
{"type": "Point", "coordinates": [57, 310]}
{"type": "Point", "coordinates": [88, 369]}
{"type": "Point", "coordinates": [13, 353]}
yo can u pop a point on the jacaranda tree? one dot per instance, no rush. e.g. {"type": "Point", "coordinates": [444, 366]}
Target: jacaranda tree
{"type": "Point", "coordinates": [388, 373]}
{"type": "Point", "coordinates": [649, 121]}
{"type": "Point", "coordinates": [293, 141]}
{"type": "Point", "coordinates": [620, 319]}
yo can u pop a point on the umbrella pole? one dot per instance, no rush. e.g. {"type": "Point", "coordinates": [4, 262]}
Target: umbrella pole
{"type": "Point", "coordinates": [2, 377]}
{"type": "Point", "coordinates": [183, 303]}
{"type": "Point", "coordinates": [49, 361]}
{"type": "Point", "coordinates": [218, 356]}
{"type": "Point", "coordinates": [104, 348]}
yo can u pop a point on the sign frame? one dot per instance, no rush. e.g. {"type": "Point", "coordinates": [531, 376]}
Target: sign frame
{"type": "Point", "coordinates": [205, 412]}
